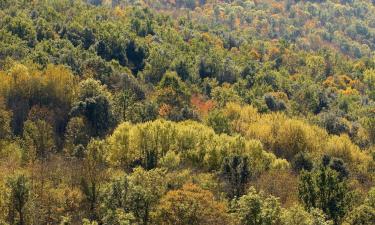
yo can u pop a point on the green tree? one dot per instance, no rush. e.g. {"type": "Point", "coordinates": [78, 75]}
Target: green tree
{"type": "Point", "coordinates": [173, 93]}
{"type": "Point", "coordinates": [118, 217]}
{"type": "Point", "coordinates": [257, 209]}
{"type": "Point", "coordinates": [302, 161]}
{"type": "Point", "coordinates": [22, 26]}
{"type": "Point", "coordinates": [363, 214]}
{"type": "Point", "coordinates": [370, 127]}
{"type": "Point", "coordinates": [297, 215]}
{"type": "Point", "coordinates": [94, 174]}
{"type": "Point", "coordinates": [19, 196]}
{"type": "Point", "coordinates": [133, 198]}
{"type": "Point", "coordinates": [323, 188]}
{"type": "Point", "coordinates": [236, 172]}
{"type": "Point", "coordinates": [124, 102]}
{"type": "Point", "coordinates": [5, 120]}
{"type": "Point", "coordinates": [219, 122]}
{"type": "Point", "coordinates": [76, 137]}
{"type": "Point", "coordinates": [145, 190]}
{"type": "Point", "coordinates": [95, 103]}
{"type": "Point", "coordinates": [39, 137]}
{"type": "Point", "coordinates": [369, 78]}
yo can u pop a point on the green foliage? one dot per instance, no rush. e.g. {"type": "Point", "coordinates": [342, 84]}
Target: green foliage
{"type": "Point", "coordinates": [255, 208]}
{"type": "Point", "coordinates": [118, 217]}
{"type": "Point", "coordinates": [236, 172]}
{"type": "Point", "coordinates": [146, 188]}
{"type": "Point", "coordinates": [19, 196]}
{"type": "Point", "coordinates": [135, 195]}
{"type": "Point", "coordinates": [93, 166]}
{"type": "Point", "coordinates": [38, 138]}
{"type": "Point", "coordinates": [365, 213]}
{"type": "Point", "coordinates": [323, 189]}
{"type": "Point", "coordinates": [5, 119]}
{"type": "Point", "coordinates": [302, 161]}
{"type": "Point", "coordinates": [76, 137]}
{"type": "Point", "coordinates": [219, 122]}
{"type": "Point", "coordinates": [298, 215]}
{"type": "Point", "coordinates": [369, 125]}
{"type": "Point", "coordinates": [94, 102]}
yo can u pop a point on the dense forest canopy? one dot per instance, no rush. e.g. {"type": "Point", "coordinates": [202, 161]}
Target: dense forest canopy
{"type": "Point", "coordinates": [184, 112]}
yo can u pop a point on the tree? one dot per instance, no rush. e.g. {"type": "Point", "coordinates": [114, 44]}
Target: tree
{"type": "Point", "coordinates": [157, 65]}
{"type": "Point", "coordinates": [363, 214]}
{"type": "Point", "coordinates": [335, 124]}
{"type": "Point", "coordinates": [183, 68]}
{"type": "Point", "coordinates": [23, 27]}
{"type": "Point", "coordinates": [274, 181]}
{"type": "Point", "coordinates": [219, 122]}
{"type": "Point", "coordinates": [369, 78]}
{"type": "Point", "coordinates": [39, 137]}
{"type": "Point", "coordinates": [124, 102]}
{"type": "Point", "coordinates": [339, 166]}
{"type": "Point", "coordinates": [76, 137]}
{"type": "Point", "coordinates": [95, 103]}
{"type": "Point", "coordinates": [145, 190]}
{"type": "Point", "coordinates": [235, 170]}
{"type": "Point", "coordinates": [323, 188]}
{"type": "Point", "coordinates": [256, 209]}
{"type": "Point", "coordinates": [112, 45]}
{"type": "Point", "coordinates": [297, 215]}
{"type": "Point", "coordinates": [274, 104]}
{"type": "Point", "coordinates": [19, 196]}
{"type": "Point", "coordinates": [5, 120]}
{"type": "Point", "coordinates": [134, 196]}
{"type": "Point", "coordinates": [370, 127]}
{"type": "Point", "coordinates": [47, 91]}
{"type": "Point", "coordinates": [137, 53]}
{"type": "Point", "coordinates": [190, 205]}
{"type": "Point", "coordinates": [173, 93]}
{"type": "Point", "coordinates": [118, 217]}
{"type": "Point", "coordinates": [94, 173]}
{"type": "Point", "coordinates": [302, 161]}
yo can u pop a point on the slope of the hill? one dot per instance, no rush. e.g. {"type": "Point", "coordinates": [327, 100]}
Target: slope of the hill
{"type": "Point", "coordinates": [187, 112]}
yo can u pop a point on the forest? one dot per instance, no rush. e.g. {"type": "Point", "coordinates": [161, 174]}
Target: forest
{"type": "Point", "coordinates": [187, 112]}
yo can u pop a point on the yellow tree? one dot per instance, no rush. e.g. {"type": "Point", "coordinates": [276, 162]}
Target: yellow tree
{"type": "Point", "coordinates": [190, 205]}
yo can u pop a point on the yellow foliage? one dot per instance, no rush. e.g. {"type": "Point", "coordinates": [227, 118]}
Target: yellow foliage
{"type": "Point", "coordinates": [119, 144]}
{"type": "Point", "coordinates": [240, 117]}
{"type": "Point", "coordinates": [329, 82]}
{"type": "Point", "coordinates": [359, 66]}
{"type": "Point", "coordinates": [54, 81]}
{"type": "Point", "coordinates": [192, 143]}
{"type": "Point", "coordinates": [369, 78]}
{"type": "Point", "coordinates": [344, 84]}
{"type": "Point", "coordinates": [286, 137]}
{"type": "Point", "coordinates": [212, 40]}
{"type": "Point", "coordinates": [118, 11]}
{"type": "Point", "coordinates": [315, 65]}
{"type": "Point", "coordinates": [255, 55]}
{"type": "Point", "coordinates": [349, 91]}
{"type": "Point", "coordinates": [4, 199]}
{"type": "Point", "coordinates": [342, 147]}
{"type": "Point", "coordinates": [276, 187]}
{"type": "Point", "coordinates": [174, 207]}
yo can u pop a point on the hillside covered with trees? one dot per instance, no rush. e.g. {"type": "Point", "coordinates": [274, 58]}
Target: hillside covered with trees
{"type": "Point", "coordinates": [187, 112]}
